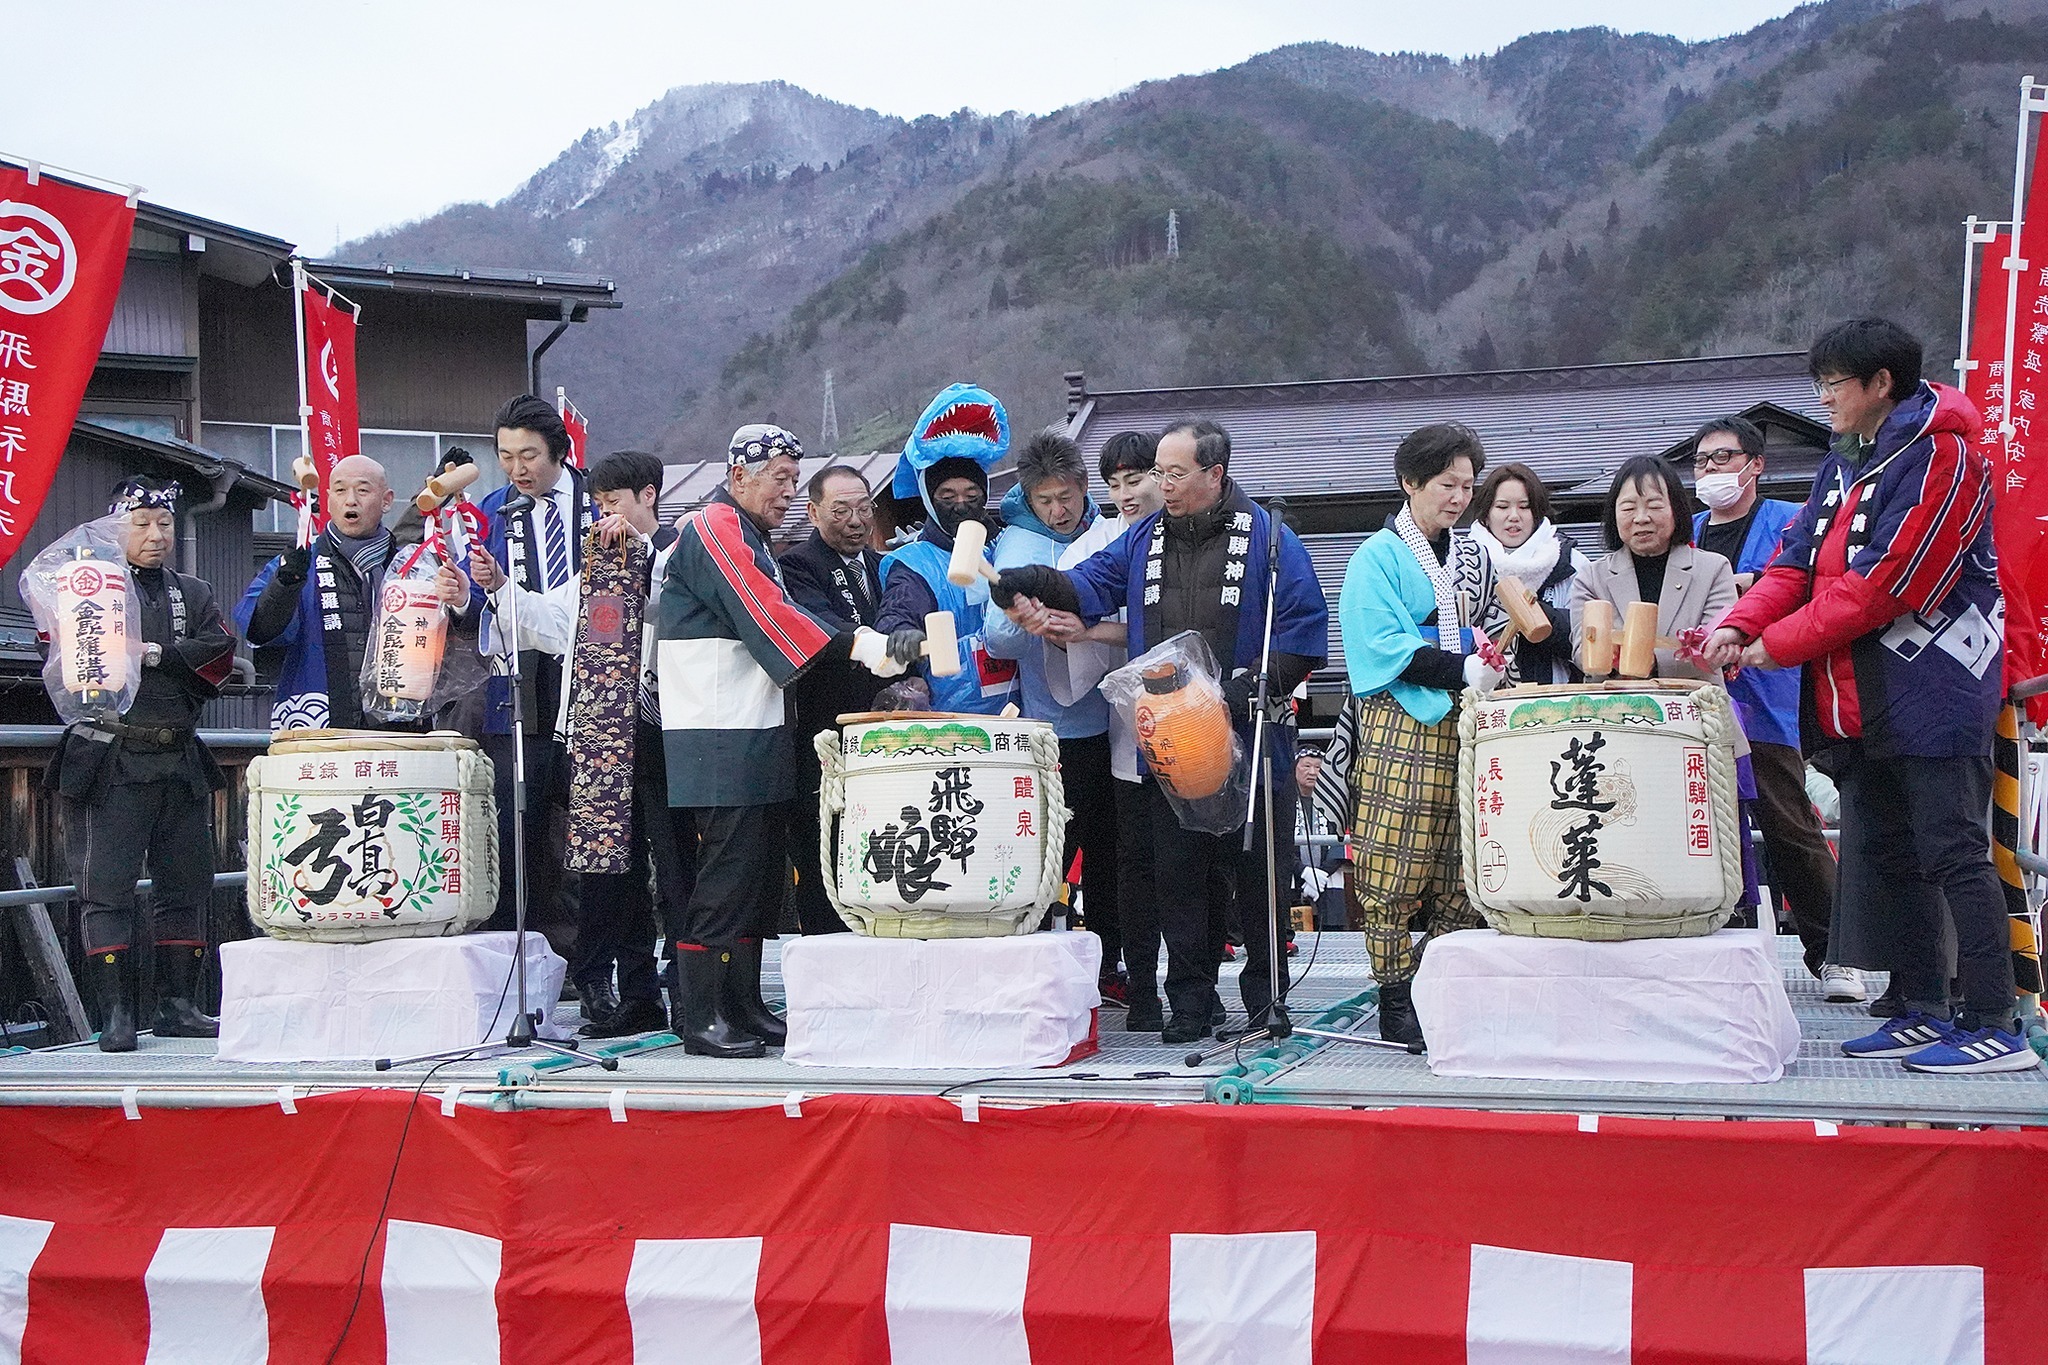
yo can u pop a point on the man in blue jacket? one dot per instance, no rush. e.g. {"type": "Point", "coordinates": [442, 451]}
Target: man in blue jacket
{"type": "Point", "coordinates": [1728, 464]}
{"type": "Point", "coordinates": [1048, 519]}
{"type": "Point", "coordinates": [1201, 564]}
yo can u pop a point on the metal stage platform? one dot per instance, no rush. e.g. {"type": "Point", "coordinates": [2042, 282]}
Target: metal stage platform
{"type": "Point", "coordinates": [1331, 970]}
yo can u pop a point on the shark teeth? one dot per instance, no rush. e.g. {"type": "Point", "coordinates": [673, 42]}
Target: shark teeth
{"type": "Point", "coordinates": [963, 419]}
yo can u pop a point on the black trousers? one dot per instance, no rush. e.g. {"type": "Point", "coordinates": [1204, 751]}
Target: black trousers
{"type": "Point", "coordinates": [1920, 826]}
{"type": "Point", "coordinates": [1200, 873]}
{"type": "Point", "coordinates": [615, 910]}
{"type": "Point", "coordinates": [1255, 918]}
{"type": "Point", "coordinates": [546, 820]}
{"type": "Point", "coordinates": [159, 823]}
{"type": "Point", "coordinates": [1092, 831]}
{"type": "Point", "coordinates": [1801, 868]}
{"type": "Point", "coordinates": [738, 891]}
{"type": "Point", "coordinates": [814, 913]}
{"type": "Point", "coordinates": [1137, 907]}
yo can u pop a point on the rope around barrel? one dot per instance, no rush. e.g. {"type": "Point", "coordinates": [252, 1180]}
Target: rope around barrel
{"type": "Point", "coordinates": [1045, 757]}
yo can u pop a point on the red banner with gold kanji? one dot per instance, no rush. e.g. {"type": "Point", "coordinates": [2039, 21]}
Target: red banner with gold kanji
{"type": "Point", "coordinates": [63, 249]}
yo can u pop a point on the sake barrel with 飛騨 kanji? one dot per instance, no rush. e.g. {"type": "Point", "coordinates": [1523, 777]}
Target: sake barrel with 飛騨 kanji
{"type": "Point", "coordinates": [936, 825]}
{"type": "Point", "coordinates": [357, 835]}
{"type": "Point", "coordinates": [1605, 811]}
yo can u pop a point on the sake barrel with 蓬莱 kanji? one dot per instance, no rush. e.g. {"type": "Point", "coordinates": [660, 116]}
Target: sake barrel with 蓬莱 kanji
{"type": "Point", "coordinates": [936, 825]}
{"type": "Point", "coordinates": [357, 835]}
{"type": "Point", "coordinates": [1605, 811]}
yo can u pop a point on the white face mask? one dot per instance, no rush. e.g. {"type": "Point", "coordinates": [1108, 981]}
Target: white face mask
{"type": "Point", "coordinates": [1720, 490]}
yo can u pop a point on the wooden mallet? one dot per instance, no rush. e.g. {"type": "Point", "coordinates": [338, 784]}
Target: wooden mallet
{"type": "Point", "coordinates": [443, 486]}
{"type": "Point", "coordinates": [941, 643]}
{"type": "Point", "coordinates": [1526, 617]}
{"type": "Point", "coordinates": [967, 563]}
{"type": "Point", "coordinates": [1636, 643]}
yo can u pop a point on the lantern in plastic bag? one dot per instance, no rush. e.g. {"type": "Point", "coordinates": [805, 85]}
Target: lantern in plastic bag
{"type": "Point", "coordinates": [83, 599]}
{"type": "Point", "coordinates": [402, 665]}
{"type": "Point", "coordinates": [1184, 731]}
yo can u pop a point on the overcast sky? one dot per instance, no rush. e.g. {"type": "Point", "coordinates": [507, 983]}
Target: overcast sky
{"type": "Point", "coordinates": [316, 121]}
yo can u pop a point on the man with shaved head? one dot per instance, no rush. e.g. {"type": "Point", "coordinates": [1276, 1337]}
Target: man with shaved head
{"type": "Point", "coordinates": [317, 604]}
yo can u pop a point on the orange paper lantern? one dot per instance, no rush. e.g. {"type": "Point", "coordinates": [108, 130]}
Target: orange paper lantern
{"type": "Point", "coordinates": [1184, 732]}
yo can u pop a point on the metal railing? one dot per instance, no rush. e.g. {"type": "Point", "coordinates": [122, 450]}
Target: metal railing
{"type": "Point", "coordinates": [46, 895]}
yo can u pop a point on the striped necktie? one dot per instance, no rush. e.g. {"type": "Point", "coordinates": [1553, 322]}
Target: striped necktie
{"type": "Point", "coordinates": [557, 546]}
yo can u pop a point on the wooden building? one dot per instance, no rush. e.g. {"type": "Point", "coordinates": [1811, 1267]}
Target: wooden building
{"type": "Point", "coordinates": [197, 380]}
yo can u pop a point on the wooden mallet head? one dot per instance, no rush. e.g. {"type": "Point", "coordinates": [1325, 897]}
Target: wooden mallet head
{"type": "Point", "coordinates": [941, 643]}
{"type": "Point", "coordinates": [1630, 652]}
{"type": "Point", "coordinates": [444, 486]}
{"type": "Point", "coordinates": [969, 540]}
{"type": "Point", "coordinates": [1525, 617]}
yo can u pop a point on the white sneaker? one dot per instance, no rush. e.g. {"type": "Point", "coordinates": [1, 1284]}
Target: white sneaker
{"type": "Point", "coordinates": [1842, 985]}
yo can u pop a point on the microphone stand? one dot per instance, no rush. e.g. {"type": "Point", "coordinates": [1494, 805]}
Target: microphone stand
{"type": "Point", "coordinates": [1277, 1026]}
{"type": "Point", "coordinates": [521, 1034]}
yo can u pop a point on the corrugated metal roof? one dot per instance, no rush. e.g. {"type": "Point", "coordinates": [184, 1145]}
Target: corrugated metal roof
{"type": "Point", "coordinates": [538, 287]}
{"type": "Point", "coordinates": [1572, 426]}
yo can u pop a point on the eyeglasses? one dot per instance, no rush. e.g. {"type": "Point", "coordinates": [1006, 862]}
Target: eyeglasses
{"type": "Point", "coordinates": [1823, 387]}
{"type": "Point", "coordinates": [1167, 478]}
{"type": "Point", "coordinates": [1718, 459]}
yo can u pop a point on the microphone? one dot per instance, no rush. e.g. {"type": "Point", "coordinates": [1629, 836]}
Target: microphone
{"type": "Point", "coordinates": [518, 502]}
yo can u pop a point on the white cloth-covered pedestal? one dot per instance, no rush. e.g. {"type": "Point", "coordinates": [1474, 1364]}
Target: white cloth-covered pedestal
{"type": "Point", "coordinates": [990, 1003]}
{"type": "Point", "coordinates": [1711, 1008]}
{"type": "Point", "coordinates": [306, 1002]}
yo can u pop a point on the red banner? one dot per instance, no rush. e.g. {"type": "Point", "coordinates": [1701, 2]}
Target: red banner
{"type": "Point", "coordinates": [63, 249]}
{"type": "Point", "coordinates": [330, 381]}
{"type": "Point", "coordinates": [2020, 517]}
{"type": "Point", "coordinates": [579, 429]}
{"type": "Point", "coordinates": [891, 1230]}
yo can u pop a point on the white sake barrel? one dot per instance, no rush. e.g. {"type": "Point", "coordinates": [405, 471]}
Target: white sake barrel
{"type": "Point", "coordinates": [356, 835]}
{"type": "Point", "coordinates": [949, 826]}
{"type": "Point", "coordinates": [1605, 812]}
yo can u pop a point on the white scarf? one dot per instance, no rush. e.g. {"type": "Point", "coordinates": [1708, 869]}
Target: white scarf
{"type": "Point", "coordinates": [1531, 561]}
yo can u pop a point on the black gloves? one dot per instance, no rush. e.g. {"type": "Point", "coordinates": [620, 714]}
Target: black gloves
{"type": "Point", "coordinates": [294, 565]}
{"type": "Point", "coordinates": [905, 645]}
{"type": "Point", "coordinates": [1041, 581]}
{"type": "Point", "coordinates": [1240, 695]}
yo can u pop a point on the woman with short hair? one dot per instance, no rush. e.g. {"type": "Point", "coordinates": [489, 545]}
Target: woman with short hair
{"type": "Point", "coordinates": [1650, 558]}
{"type": "Point", "coordinates": [1411, 596]}
{"type": "Point", "coordinates": [1515, 528]}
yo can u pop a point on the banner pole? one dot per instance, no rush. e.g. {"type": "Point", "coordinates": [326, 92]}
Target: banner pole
{"type": "Point", "coordinates": [1976, 232]}
{"type": "Point", "coordinates": [2033, 100]}
{"type": "Point", "coordinates": [299, 331]}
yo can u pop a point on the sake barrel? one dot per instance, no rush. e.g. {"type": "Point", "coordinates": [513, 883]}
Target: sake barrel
{"type": "Point", "coordinates": [938, 825]}
{"type": "Point", "coordinates": [1605, 811]}
{"type": "Point", "coordinates": [357, 835]}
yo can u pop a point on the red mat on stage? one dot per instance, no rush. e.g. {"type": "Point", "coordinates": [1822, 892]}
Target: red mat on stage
{"type": "Point", "coordinates": [878, 1229]}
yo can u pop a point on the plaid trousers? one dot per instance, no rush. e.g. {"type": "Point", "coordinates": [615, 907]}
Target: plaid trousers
{"type": "Point", "coordinates": [1404, 836]}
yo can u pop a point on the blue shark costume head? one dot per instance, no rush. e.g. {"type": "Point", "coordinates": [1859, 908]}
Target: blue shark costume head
{"type": "Point", "coordinates": [964, 432]}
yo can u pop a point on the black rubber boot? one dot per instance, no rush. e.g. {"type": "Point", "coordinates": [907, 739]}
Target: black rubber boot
{"type": "Point", "coordinates": [177, 976]}
{"type": "Point", "coordinates": [1398, 1023]}
{"type": "Point", "coordinates": [116, 990]}
{"type": "Point", "coordinates": [745, 1005]}
{"type": "Point", "coordinates": [597, 1001]}
{"type": "Point", "coordinates": [706, 1031]}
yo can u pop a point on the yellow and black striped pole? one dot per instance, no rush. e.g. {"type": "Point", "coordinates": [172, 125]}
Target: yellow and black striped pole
{"type": "Point", "coordinates": [2009, 754]}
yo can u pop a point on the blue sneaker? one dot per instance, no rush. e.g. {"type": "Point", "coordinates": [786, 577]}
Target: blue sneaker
{"type": "Point", "coordinates": [1911, 1032]}
{"type": "Point", "coordinates": [1986, 1049]}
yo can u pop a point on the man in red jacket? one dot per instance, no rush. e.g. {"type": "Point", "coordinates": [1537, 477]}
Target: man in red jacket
{"type": "Point", "coordinates": [1886, 586]}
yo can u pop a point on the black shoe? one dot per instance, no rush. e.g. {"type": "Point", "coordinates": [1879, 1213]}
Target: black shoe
{"type": "Point", "coordinates": [116, 991]}
{"type": "Point", "coordinates": [744, 1005]}
{"type": "Point", "coordinates": [1217, 1014]}
{"type": "Point", "coordinates": [1398, 1023]}
{"type": "Point", "coordinates": [1144, 1016]}
{"type": "Point", "coordinates": [705, 1030]}
{"type": "Point", "coordinates": [177, 974]}
{"type": "Point", "coordinates": [1890, 1005]}
{"type": "Point", "coordinates": [635, 1016]}
{"type": "Point", "coordinates": [1183, 1031]}
{"type": "Point", "coordinates": [599, 1001]}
